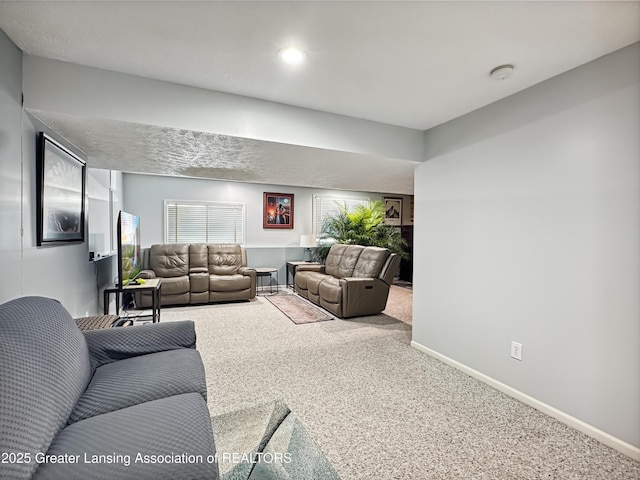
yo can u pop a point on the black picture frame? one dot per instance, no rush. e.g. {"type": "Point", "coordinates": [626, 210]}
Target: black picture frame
{"type": "Point", "coordinates": [60, 193]}
{"type": "Point", "coordinates": [393, 210]}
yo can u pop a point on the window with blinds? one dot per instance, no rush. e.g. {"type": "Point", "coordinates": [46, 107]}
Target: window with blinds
{"type": "Point", "coordinates": [325, 206]}
{"type": "Point", "coordinates": [212, 222]}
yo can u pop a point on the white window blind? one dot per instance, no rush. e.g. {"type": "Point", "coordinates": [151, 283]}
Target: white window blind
{"type": "Point", "coordinates": [325, 206]}
{"type": "Point", "coordinates": [204, 222]}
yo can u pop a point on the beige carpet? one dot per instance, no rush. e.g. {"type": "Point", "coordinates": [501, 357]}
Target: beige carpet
{"type": "Point", "coordinates": [379, 409]}
{"type": "Point", "coordinates": [400, 304]}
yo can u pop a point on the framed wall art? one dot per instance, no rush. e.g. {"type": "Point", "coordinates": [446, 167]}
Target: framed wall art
{"type": "Point", "coordinates": [278, 210]}
{"type": "Point", "coordinates": [393, 210]}
{"type": "Point", "coordinates": [60, 193]}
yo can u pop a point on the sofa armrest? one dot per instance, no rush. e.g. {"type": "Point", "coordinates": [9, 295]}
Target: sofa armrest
{"type": "Point", "coordinates": [111, 344]}
{"type": "Point", "coordinates": [249, 272]}
{"type": "Point", "coordinates": [358, 282]}
{"type": "Point", "coordinates": [363, 296]}
{"type": "Point", "coordinates": [310, 268]}
{"type": "Point", "coordinates": [147, 274]}
{"type": "Point", "coordinates": [198, 270]}
{"type": "Point", "coordinates": [390, 269]}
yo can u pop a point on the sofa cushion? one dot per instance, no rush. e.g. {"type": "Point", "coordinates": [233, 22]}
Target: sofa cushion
{"type": "Point", "coordinates": [370, 262]}
{"type": "Point", "coordinates": [169, 260]}
{"type": "Point", "coordinates": [314, 279]}
{"type": "Point", "coordinates": [330, 290]}
{"type": "Point", "coordinates": [175, 285]}
{"type": "Point", "coordinates": [198, 257]}
{"type": "Point", "coordinates": [199, 282]}
{"type": "Point", "coordinates": [229, 283]}
{"type": "Point", "coordinates": [342, 260]}
{"type": "Point", "coordinates": [140, 379]}
{"type": "Point", "coordinates": [44, 368]}
{"type": "Point", "coordinates": [113, 344]}
{"type": "Point", "coordinates": [167, 427]}
{"type": "Point", "coordinates": [224, 259]}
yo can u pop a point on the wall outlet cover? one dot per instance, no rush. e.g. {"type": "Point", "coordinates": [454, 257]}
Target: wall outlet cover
{"type": "Point", "coordinates": [516, 350]}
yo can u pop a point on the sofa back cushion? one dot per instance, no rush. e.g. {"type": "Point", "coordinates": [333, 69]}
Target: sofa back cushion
{"type": "Point", "coordinates": [225, 259]}
{"type": "Point", "coordinates": [198, 258]}
{"type": "Point", "coordinates": [169, 259]}
{"type": "Point", "coordinates": [44, 369]}
{"type": "Point", "coordinates": [342, 260]}
{"type": "Point", "coordinates": [370, 262]}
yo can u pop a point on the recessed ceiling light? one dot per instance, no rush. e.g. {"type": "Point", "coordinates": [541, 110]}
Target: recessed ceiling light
{"type": "Point", "coordinates": [292, 55]}
{"type": "Point", "coordinates": [501, 72]}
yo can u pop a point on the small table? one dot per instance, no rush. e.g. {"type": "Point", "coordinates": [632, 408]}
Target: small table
{"type": "Point", "coordinates": [266, 272]}
{"type": "Point", "coordinates": [291, 270]}
{"type": "Point", "coordinates": [153, 284]}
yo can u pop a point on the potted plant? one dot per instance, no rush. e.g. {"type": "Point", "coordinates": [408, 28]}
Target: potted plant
{"type": "Point", "coordinates": [364, 225]}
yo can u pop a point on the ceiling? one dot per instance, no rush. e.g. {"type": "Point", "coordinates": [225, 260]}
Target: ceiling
{"type": "Point", "coordinates": [410, 64]}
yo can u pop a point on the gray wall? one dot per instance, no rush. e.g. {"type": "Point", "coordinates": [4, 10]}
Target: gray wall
{"type": "Point", "coordinates": [10, 169]}
{"type": "Point", "coordinates": [527, 216]}
{"type": "Point", "coordinates": [62, 272]}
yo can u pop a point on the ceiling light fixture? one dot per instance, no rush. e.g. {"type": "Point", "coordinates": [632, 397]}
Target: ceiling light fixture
{"type": "Point", "coordinates": [501, 72]}
{"type": "Point", "coordinates": [292, 55]}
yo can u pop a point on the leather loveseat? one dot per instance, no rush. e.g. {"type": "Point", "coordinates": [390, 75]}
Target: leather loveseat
{"type": "Point", "coordinates": [121, 403]}
{"type": "Point", "coordinates": [197, 273]}
{"type": "Point", "coordinates": [353, 282]}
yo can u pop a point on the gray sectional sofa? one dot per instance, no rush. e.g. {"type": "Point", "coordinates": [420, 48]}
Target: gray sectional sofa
{"type": "Point", "coordinates": [197, 273]}
{"type": "Point", "coordinates": [118, 403]}
{"type": "Point", "coordinates": [354, 281]}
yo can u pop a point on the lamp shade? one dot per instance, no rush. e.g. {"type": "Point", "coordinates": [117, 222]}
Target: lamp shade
{"type": "Point", "coordinates": [308, 241]}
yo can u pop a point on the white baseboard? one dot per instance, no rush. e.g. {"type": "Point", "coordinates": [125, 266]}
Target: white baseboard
{"type": "Point", "coordinates": [603, 437]}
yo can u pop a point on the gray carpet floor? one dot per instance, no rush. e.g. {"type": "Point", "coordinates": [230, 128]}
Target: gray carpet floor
{"type": "Point", "coordinates": [380, 409]}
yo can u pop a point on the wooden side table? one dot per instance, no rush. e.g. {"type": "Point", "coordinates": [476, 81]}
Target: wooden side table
{"type": "Point", "coordinates": [152, 284]}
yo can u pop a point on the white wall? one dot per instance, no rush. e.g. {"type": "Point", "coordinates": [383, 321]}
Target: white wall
{"type": "Point", "coordinates": [528, 221]}
{"type": "Point", "coordinates": [62, 271]}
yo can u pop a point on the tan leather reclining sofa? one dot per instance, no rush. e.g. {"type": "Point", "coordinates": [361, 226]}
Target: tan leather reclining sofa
{"type": "Point", "coordinates": [197, 273]}
{"type": "Point", "coordinates": [354, 281]}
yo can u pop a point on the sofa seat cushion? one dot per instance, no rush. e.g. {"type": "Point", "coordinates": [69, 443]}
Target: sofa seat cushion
{"type": "Point", "coordinates": [175, 285]}
{"type": "Point", "coordinates": [314, 279]}
{"type": "Point", "coordinates": [139, 379]}
{"type": "Point", "coordinates": [166, 427]}
{"type": "Point", "coordinates": [229, 283]}
{"type": "Point", "coordinates": [330, 290]}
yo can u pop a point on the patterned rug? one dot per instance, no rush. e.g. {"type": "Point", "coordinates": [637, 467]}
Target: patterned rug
{"type": "Point", "coordinates": [298, 309]}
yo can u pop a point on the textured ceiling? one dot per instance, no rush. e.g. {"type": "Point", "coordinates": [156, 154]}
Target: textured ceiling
{"type": "Point", "coordinates": [413, 64]}
{"type": "Point", "coordinates": [159, 150]}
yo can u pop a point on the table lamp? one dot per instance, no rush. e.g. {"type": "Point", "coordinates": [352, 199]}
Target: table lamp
{"type": "Point", "coordinates": [308, 242]}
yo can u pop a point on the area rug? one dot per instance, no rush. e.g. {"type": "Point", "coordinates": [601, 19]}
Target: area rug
{"type": "Point", "coordinates": [298, 309]}
{"type": "Point", "coordinates": [267, 442]}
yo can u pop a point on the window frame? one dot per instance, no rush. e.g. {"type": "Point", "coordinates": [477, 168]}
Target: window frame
{"type": "Point", "coordinates": [207, 204]}
{"type": "Point", "coordinates": [317, 227]}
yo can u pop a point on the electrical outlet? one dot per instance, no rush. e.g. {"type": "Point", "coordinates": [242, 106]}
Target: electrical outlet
{"type": "Point", "coordinates": [516, 350]}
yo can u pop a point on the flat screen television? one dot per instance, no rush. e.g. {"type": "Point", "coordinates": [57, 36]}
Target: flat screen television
{"type": "Point", "coordinates": [129, 252]}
